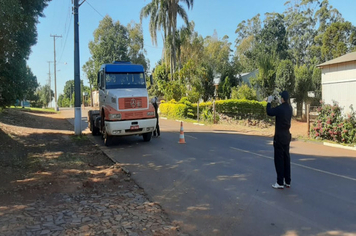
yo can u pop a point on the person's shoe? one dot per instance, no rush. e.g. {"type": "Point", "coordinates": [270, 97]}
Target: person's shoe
{"type": "Point", "coordinates": [277, 186]}
{"type": "Point", "coordinates": [287, 185]}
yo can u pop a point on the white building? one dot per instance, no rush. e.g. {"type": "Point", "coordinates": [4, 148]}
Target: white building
{"type": "Point", "coordinates": [338, 81]}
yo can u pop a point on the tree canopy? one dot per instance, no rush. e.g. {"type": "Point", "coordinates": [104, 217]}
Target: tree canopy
{"type": "Point", "coordinates": [114, 42]}
{"type": "Point", "coordinates": [18, 33]}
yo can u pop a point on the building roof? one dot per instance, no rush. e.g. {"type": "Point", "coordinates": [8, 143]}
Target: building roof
{"type": "Point", "coordinates": [345, 58]}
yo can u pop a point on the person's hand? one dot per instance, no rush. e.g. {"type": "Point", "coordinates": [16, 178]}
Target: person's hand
{"type": "Point", "coordinates": [269, 99]}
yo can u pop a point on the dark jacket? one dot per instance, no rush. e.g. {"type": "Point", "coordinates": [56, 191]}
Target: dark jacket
{"type": "Point", "coordinates": [283, 114]}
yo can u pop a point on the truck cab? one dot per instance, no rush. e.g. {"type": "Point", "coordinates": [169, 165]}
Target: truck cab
{"type": "Point", "coordinates": [124, 107]}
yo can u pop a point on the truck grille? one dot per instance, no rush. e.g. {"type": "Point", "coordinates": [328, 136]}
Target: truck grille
{"type": "Point", "coordinates": [133, 115]}
{"type": "Point", "coordinates": [132, 103]}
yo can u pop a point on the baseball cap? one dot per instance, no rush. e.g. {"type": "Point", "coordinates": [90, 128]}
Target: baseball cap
{"type": "Point", "coordinates": [284, 95]}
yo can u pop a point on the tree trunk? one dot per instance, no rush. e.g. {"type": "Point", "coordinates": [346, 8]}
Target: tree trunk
{"type": "Point", "coordinates": [299, 109]}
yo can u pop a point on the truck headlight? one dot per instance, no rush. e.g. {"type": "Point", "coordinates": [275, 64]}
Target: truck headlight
{"type": "Point", "coordinates": [150, 113]}
{"type": "Point", "coordinates": [114, 116]}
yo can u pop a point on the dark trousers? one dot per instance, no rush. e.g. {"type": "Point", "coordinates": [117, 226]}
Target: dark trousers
{"type": "Point", "coordinates": [157, 131]}
{"type": "Point", "coordinates": [282, 162]}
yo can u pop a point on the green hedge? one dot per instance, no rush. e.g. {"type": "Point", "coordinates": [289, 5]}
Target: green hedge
{"type": "Point", "coordinates": [239, 109]}
{"type": "Point", "coordinates": [173, 110]}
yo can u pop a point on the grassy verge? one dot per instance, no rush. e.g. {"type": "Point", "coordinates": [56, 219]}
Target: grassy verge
{"type": "Point", "coordinates": [36, 110]}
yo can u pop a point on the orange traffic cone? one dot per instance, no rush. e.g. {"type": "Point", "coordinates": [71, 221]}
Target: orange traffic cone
{"type": "Point", "coordinates": [181, 135]}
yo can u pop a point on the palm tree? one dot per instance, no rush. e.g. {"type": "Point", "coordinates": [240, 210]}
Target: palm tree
{"type": "Point", "coordinates": [175, 9]}
{"type": "Point", "coordinates": [164, 15]}
{"type": "Point", "coordinates": [157, 9]}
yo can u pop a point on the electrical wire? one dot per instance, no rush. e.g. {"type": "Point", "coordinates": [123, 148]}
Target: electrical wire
{"type": "Point", "coordinates": [65, 41]}
{"type": "Point", "coordinates": [94, 8]}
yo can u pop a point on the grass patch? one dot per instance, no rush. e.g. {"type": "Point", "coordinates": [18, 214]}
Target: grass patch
{"type": "Point", "coordinates": [79, 138]}
{"type": "Point", "coordinates": [36, 110]}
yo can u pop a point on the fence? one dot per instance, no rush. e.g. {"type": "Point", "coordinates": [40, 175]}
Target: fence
{"type": "Point", "coordinates": [312, 114]}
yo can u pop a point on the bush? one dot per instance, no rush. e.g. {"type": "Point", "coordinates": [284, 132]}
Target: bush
{"type": "Point", "coordinates": [243, 92]}
{"type": "Point", "coordinates": [208, 116]}
{"type": "Point", "coordinates": [239, 109]}
{"type": "Point", "coordinates": [332, 125]}
{"type": "Point", "coordinates": [173, 110]}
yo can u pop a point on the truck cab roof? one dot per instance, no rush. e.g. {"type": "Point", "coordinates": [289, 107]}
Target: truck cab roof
{"type": "Point", "coordinates": [122, 67]}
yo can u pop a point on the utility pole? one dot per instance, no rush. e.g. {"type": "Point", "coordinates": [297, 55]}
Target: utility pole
{"type": "Point", "coordinates": [55, 82]}
{"type": "Point", "coordinates": [49, 82]}
{"type": "Point", "coordinates": [77, 93]}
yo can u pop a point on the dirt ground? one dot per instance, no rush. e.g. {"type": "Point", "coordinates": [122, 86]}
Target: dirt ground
{"type": "Point", "coordinates": [40, 156]}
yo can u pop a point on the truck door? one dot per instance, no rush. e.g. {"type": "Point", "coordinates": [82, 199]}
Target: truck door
{"type": "Point", "coordinates": [101, 85]}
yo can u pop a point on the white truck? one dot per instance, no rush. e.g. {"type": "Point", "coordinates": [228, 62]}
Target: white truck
{"type": "Point", "coordinates": [124, 106]}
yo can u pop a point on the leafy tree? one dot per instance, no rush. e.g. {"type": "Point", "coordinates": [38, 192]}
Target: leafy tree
{"type": "Point", "coordinates": [207, 77]}
{"type": "Point", "coordinates": [316, 78]}
{"type": "Point", "coordinates": [303, 81]}
{"type": "Point", "coordinates": [243, 92]}
{"type": "Point", "coordinates": [225, 88]}
{"type": "Point", "coordinates": [191, 46]}
{"type": "Point", "coordinates": [339, 38]}
{"type": "Point", "coordinates": [300, 24]}
{"type": "Point", "coordinates": [266, 74]}
{"type": "Point", "coordinates": [114, 42]}
{"type": "Point", "coordinates": [18, 21]}
{"type": "Point", "coordinates": [160, 78]}
{"type": "Point", "coordinates": [285, 79]}
{"type": "Point", "coordinates": [67, 97]}
{"type": "Point", "coordinates": [272, 39]}
{"type": "Point", "coordinates": [136, 50]}
{"type": "Point", "coordinates": [46, 95]}
{"type": "Point", "coordinates": [246, 41]}
{"type": "Point", "coordinates": [91, 72]}
{"type": "Point", "coordinates": [217, 52]}
{"type": "Point", "coordinates": [110, 42]}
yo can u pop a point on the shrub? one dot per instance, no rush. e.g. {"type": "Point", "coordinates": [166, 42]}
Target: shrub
{"type": "Point", "coordinates": [208, 116]}
{"type": "Point", "coordinates": [239, 109]}
{"type": "Point", "coordinates": [332, 125]}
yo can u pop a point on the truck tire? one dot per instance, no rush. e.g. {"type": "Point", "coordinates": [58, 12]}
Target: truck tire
{"type": "Point", "coordinates": [107, 138]}
{"type": "Point", "coordinates": [92, 114]}
{"type": "Point", "coordinates": [94, 129]}
{"type": "Point", "coordinates": [147, 136]}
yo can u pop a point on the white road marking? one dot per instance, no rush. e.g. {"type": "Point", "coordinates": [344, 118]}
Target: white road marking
{"type": "Point", "coordinates": [191, 136]}
{"type": "Point", "coordinates": [296, 164]}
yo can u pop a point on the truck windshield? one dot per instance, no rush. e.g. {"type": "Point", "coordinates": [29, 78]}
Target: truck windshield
{"type": "Point", "coordinates": [125, 80]}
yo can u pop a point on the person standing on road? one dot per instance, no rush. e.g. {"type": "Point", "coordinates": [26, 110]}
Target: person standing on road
{"type": "Point", "coordinates": [281, 140]}
{"type": "Point", "coordinates": [157, 132]}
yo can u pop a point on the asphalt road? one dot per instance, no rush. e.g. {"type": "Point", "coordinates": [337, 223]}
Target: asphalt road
{"type": "Point", "coordinates": [219, 183]}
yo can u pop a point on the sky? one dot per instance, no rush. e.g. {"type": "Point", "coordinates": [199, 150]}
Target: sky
{"type": "Point", "coordinates": [208, 15]}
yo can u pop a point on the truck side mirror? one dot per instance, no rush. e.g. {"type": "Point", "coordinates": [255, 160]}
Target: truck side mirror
{"type": "Point", "coordinates": [151, 82]}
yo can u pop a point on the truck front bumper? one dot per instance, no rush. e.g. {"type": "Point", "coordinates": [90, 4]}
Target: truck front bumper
{"type": "Point", "coordinates": [130, 127]}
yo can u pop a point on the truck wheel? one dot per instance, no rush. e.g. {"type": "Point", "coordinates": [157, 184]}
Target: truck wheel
{"type": "Point", "coordinates": [107, 138]}
{"type": "Point", "coordinates": [94, 129]}
{"type": "Point", "coordinates": [147, 136]}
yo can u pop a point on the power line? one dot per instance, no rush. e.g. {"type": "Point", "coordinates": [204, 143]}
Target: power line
{"type": "Point", "coordinates": [94, 9]}
{"type": "Point", "coordinates": [65, 41]}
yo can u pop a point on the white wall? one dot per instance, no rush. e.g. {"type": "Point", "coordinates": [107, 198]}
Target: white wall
{"type": "Point", "coordinates": [339, 84]}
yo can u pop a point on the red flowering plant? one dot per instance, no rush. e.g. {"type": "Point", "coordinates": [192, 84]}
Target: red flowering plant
{"type": "Point", "coordinates": [329, 123]}
{"type": "Point", "coordinates": [348, 134]}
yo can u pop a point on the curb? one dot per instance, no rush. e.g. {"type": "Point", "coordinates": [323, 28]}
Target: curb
{"type": "Point", "coordinates": [339, 146]}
